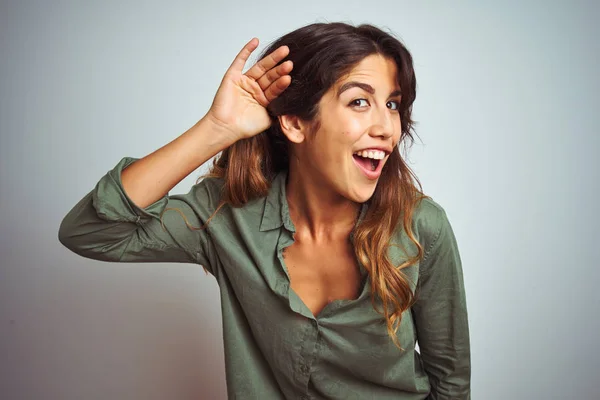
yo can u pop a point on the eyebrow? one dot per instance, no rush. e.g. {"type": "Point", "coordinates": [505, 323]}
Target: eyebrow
{"type": "Point", "coordinates": [364, 86]}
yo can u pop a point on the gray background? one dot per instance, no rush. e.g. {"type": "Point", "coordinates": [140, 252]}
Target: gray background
{"type": "Point", "coordinates": [508, 111]}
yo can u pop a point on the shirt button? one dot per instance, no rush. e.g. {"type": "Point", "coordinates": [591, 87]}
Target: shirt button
{"type": "Point", "coordinates": [304, 369]}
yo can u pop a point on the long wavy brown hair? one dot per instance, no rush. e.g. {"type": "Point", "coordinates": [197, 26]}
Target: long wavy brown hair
{"type": "Point", "coordinates": [321, 54]}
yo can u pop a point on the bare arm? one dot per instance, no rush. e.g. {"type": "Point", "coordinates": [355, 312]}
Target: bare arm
{"type": "Point", "coordinates": [122, 219]}
{"type": "Point", "coordinates": [237, 112]}
{"type": "Point", "coordinates": [152, 177]}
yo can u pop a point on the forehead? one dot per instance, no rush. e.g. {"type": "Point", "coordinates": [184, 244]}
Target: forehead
{"type": "Point", "coordinates": [374, 69]}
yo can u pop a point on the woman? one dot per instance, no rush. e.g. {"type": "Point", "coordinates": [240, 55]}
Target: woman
{"type": "Point", "coordinates": [330, 262]}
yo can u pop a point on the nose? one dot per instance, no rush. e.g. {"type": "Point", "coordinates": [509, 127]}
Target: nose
{"type": "Point", "coordinates": [383, 124]}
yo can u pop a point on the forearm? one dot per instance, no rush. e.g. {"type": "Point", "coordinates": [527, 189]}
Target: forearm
{"type": "Point", "coordinates": [106, 225]}
{"type": "Point", "coordinates": [152, 177]}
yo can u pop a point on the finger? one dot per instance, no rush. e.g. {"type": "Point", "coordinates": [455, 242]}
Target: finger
{"type": "Point", "coordinates": [268, 62]}
{"type": "Point", "coordinates": [278, 87]}
{"type": "Point", "coordinates": [254, 90]}
{"type": "Point", "coordinates": [240, 60]}
{"type": "Point", "coordinates": [275, 73]}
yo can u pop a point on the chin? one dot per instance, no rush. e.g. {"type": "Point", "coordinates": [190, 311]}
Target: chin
{"type": "Point", "coordinates": [363, 195]}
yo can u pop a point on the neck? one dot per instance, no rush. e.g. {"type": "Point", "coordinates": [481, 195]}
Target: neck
{"type": "Point", "coordinates": [318, 214]}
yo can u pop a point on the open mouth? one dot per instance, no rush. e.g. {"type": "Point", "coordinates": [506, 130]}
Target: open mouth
{"type": "Point", "coordinates": [369, 164]}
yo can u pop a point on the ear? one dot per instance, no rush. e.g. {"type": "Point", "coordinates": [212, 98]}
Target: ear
{"type": "Point", "coordinates": [293, 128]}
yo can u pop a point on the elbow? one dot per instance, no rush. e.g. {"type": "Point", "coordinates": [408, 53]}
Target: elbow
{"type": "Point", "coordinates": [67, 236]}
{"type": "Point", "coordinates": [94, 242]}
{"type": "Point", "coordinates": [454, 383]}
{"type": "Point", "coordinates": [73, 235]}
{"type": "Point", "coordinates": [86, 234]}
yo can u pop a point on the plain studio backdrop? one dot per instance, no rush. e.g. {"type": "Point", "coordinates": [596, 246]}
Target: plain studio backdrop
{"type": "Point", "coordinates": [508, 119]}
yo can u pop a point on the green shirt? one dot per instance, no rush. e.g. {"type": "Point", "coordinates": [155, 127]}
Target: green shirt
{"type": "Point", "coordinates": [274, 347]}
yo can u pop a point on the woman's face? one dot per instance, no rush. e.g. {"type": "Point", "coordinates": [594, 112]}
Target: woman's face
{"type": "Point", "coordinates": [359, 128]}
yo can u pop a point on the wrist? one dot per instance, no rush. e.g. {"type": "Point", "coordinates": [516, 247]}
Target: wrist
{"type": "Point", "coordinates": [217, 130]}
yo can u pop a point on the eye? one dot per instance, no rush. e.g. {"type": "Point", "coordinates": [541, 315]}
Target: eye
{"type": "Point", "coordinates": [357, 103]}
{"type": "Point", "coordinates": [396, 105]}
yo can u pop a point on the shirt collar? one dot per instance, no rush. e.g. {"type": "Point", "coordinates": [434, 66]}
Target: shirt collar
{"type": "Point", "coordinates": [276, 211]}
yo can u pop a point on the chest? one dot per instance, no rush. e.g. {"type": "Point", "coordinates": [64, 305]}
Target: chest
{"type": "Point", "coordinates": [322, 274]}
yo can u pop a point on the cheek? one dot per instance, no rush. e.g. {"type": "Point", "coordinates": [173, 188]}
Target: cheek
{"type": "Point", "coordinates": [354, 127]}
{"type": "Point", "coordinates": [348, 136]}
{"type": "Point", "coordinates": [398, 127]}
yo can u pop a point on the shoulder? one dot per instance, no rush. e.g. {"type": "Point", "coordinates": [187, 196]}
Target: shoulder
{"type": "Point", "coordinates": [211, 183]}
{"type": "Point", "coordinates": [210, 192]}
{"type": "Point", "coordinates": [209, 189]}
{"type": "Point", "coordinates": [429, 222]}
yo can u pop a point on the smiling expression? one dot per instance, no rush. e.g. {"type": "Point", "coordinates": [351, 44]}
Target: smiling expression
{"type": "Point", "coordinates": [359, 128]}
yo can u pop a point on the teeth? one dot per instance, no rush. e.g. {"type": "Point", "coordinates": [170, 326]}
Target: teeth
{"type": "Point", "coordinates": [374, 154]}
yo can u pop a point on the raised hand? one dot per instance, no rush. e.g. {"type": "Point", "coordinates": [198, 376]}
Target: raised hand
{"type": "Point", "coordinates": [241, 100]}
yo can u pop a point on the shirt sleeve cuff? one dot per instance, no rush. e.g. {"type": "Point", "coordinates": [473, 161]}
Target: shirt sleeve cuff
{"type": "Point", "coordinates": [112, 203]}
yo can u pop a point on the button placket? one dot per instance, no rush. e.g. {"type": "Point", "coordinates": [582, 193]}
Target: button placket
{"type": "Point", "coordinates": [306, 355]}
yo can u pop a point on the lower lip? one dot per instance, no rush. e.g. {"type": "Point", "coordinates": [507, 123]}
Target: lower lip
{"type": "Point", "coordinates": [372, 175]}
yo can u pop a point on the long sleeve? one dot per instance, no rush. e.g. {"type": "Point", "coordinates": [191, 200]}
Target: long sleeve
{"type": "Point", "coordinates": [440, 315]}
{"type": "Point", "coordinates": [106, 225]}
